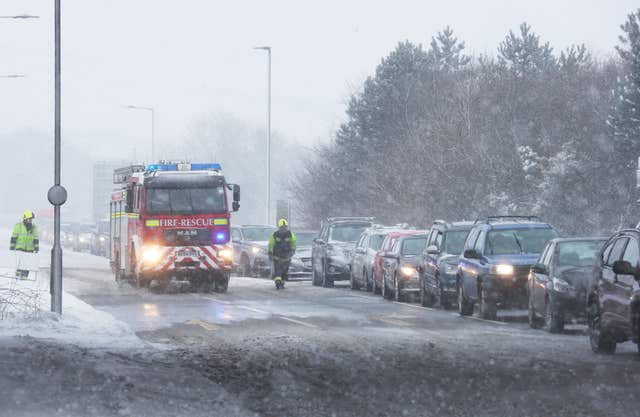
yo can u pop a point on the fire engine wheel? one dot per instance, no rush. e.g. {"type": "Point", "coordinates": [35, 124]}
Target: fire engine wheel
{"type": "Point", "coordinates": [222, 283]}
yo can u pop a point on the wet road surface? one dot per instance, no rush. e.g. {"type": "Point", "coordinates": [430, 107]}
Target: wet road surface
{"type": "Point", "coordinates": [309, 351]}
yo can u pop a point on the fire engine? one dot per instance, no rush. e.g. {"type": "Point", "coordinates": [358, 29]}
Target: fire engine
{"type": "Point", "coordinates": [170, 222]}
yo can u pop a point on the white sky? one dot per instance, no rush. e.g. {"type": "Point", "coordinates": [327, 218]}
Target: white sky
{"type": "Point", "coordinates": [189, 57]}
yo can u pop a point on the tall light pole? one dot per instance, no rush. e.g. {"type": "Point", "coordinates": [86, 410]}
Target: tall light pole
{"type": "Point", "coordinates": [57, 194]}
{"type": "Point", "coordinates": [268, 49]}
{"type": "Point", "coordinates": [153, 140]}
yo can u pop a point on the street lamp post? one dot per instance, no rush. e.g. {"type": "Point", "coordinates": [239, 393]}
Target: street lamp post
{"type": "Point", "coordinates": [57, 194]}
{"type": "Point", "coordinates": [153, 140]}
{"type": "Point", "coordinates": [268, 49]}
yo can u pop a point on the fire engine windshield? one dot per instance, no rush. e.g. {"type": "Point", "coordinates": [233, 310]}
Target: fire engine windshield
{"type": "Point", "coordinates": [186, 201]}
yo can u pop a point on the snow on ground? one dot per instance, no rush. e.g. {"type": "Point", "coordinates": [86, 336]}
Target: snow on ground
{"type": "Point", "coordinates": [27, 307]}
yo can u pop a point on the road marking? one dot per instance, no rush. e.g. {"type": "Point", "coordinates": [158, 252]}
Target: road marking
{"type": "Point", "coordinates": [415, 306]}
{"type": "Point", "coordinates": [395, 322]}
{"type": "Point", "coordinates": [204, 324]}
{"type": "Point", "coordinates": [212, 298]}
{"type": "Point", "coordinates": [302, 323]}
{"type": "Point", "coordinates": [502, 323]}
{"type": "Point", "coordinates": [255, 310]}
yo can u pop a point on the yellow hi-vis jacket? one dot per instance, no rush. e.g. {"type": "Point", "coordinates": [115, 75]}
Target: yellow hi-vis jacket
{"type": "Point", "coordinates": [24, 239]}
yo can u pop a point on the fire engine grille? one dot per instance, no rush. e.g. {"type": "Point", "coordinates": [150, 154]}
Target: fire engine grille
{"type": "Point", "coordinates": [188, 237]}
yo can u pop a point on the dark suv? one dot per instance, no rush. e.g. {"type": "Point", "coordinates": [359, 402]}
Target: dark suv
{"type": "Point", "coordinates": [439, 265]}
{"type": "Point", "coordinates": [332, 251]}
{"type": "Point", "coordinates": [495, 264]}
{"type": "Point", "coordinates": [558, 281]}
{"type": "Point", "coordinates": [613, 300]}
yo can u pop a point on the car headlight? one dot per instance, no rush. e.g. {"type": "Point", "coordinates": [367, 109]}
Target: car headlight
{"type": "Point", "coordinates": [408, 271]}
{"type": "Point", "coordinates": [83, 239]}
{"type": "Point", "coordinates": [255, 250]}
{"type": "Point", "coordinates": [102, 238]}
{"type": "Point", "coordinates": [151, 255]}
{"type": "Point", "coordinates": [561, 285]}
{"type": "Point", "coordinates": [503, 269]}
{"type": "Point", "coordinates": [226, 254]}
{"type": "Point", "coordinates": [450, 269]}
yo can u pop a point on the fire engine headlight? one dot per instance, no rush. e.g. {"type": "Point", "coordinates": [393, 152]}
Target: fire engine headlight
{"type": "Point", "coordinates": [226, 254]}
{"type": "Point", "coordinates": [408, 271]}
{"type": "Point", "coordinates": [503, 269]}
{"type": "Point", "coordinates": [151, 255]}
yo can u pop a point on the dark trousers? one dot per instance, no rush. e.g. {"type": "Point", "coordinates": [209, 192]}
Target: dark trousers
{"type": "Point", "coordinates": [281, 268]}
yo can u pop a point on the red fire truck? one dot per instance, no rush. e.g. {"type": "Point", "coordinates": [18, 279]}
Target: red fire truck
{"type": "Point", "coordinates": [170, 222]}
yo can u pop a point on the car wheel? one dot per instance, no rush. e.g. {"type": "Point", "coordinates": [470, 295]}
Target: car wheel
{"type": "Point", "coordinates": [600, 341]}
{"type": "Point", "coordinates": [326, 281]}
{"type": "Point", "coordinates": [444, 303]}
{"type": "Point", "coordinates": [465, 307]}
{"type": "Point", "coordinates": [534, 321]}
{"type": "Point", "coordinates": [426, 299]}
{"type": "Point", "coordinates": [374, 286]}
{"type": "Point", "coordinates": [386, 293]}
{"type": "Point", "coordinates": [367, 282]}
{"type": "Point", "coordinates": [488, 308]}
{"type": "Point", "coordinates": [355, 285]}
{"type": "Point", "coordinates": [396, 288]}
{"type": "Point", "coordinates": [553, 319]}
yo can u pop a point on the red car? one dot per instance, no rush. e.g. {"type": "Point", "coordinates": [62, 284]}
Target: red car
{"type": "Point", "coordinates": [388, 242]}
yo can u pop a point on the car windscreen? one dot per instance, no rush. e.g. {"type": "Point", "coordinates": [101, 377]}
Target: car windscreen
{"type": "Point", "coordinates": [518, 241]}
{"type": "Point", "coordinates": [258, 234]}
{"type": "Point", "coordinates": [578, 254]}
{"type": "Point", "coordinates": [305, 238]}
{"type": "Point", "coordinates": [348, 232]}
{"type": "Point", "coordinates": [454, 241]}
{"type": "Point", "coordinates": [413, 246]}
{"type": "Point", "coordinates": [186, 201]}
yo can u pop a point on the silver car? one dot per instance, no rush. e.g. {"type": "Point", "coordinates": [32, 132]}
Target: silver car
{"type": "Point", "coordinates": [366, 249]}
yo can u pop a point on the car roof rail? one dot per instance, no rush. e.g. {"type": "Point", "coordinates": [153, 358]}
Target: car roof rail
{"type": "Point", "coordinates": [336, 219]}
{"type": "Point", "coordinates": [493, 219]}
{"type": "Point", "coordinates": [442, 222]}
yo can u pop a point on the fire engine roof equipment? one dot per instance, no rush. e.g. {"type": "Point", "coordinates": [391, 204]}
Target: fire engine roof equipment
{"type": "Point", "coordinates": [184, 167]}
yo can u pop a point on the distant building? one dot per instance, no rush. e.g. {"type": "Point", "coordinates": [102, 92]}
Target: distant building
{"type": "Point", "coordinates": [103, 186]}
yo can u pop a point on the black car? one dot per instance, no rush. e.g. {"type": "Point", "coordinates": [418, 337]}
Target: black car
{"type": "Point", "coordinates": [332, 250]}
{"type": "Point", "coordinates": [613, 299]}
{"type": "Point", "coordinates": [493, 270]}
{"type": "Point", "coordinates": [439, 265]}
{"type": "Point", "coordinates": [558, 282]}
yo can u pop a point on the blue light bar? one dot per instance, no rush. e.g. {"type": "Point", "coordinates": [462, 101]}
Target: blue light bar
{"type": "Point", "coordinates": [205, 167]}
{"type": "Point", "coordinates": [162, 167]}
{"type": "Point", "coordinates": [185, 167]}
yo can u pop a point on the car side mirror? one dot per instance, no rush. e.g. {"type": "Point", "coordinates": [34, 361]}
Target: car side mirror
{"type": "Point", "coordinates": [318, 241]}
{"type": "Point", "coordinates": [360, 251]}
{"type": "Point", "coordinates": [539, 269]}
{"type": "Point", "coordinates": [433, 250]}
{"type": "Point", "coordinates": [624, 268]}
{"type": "Point", "coordinates": [471, 254]}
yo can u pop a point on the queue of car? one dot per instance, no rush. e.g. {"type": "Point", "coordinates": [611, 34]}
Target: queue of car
{"type": "Point", "coordinates": [500, 262]}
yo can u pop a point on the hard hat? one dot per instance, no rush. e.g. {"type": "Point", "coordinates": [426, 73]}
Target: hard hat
{"type": "Point", "coordinates": [283, 223]}
{"type": "Point", "coordinates": [28, 215]}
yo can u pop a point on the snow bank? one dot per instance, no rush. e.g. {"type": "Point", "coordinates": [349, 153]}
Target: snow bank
{"type": "Point", "coordinates": [28, 310]}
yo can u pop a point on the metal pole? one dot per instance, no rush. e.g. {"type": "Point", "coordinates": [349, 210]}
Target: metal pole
{"type": "Point", "coordinates": [269, 142]}
{"type": "Point", "coordinates": [56, 252]}
{"type": "Point", "coordinates": [153, 137]}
